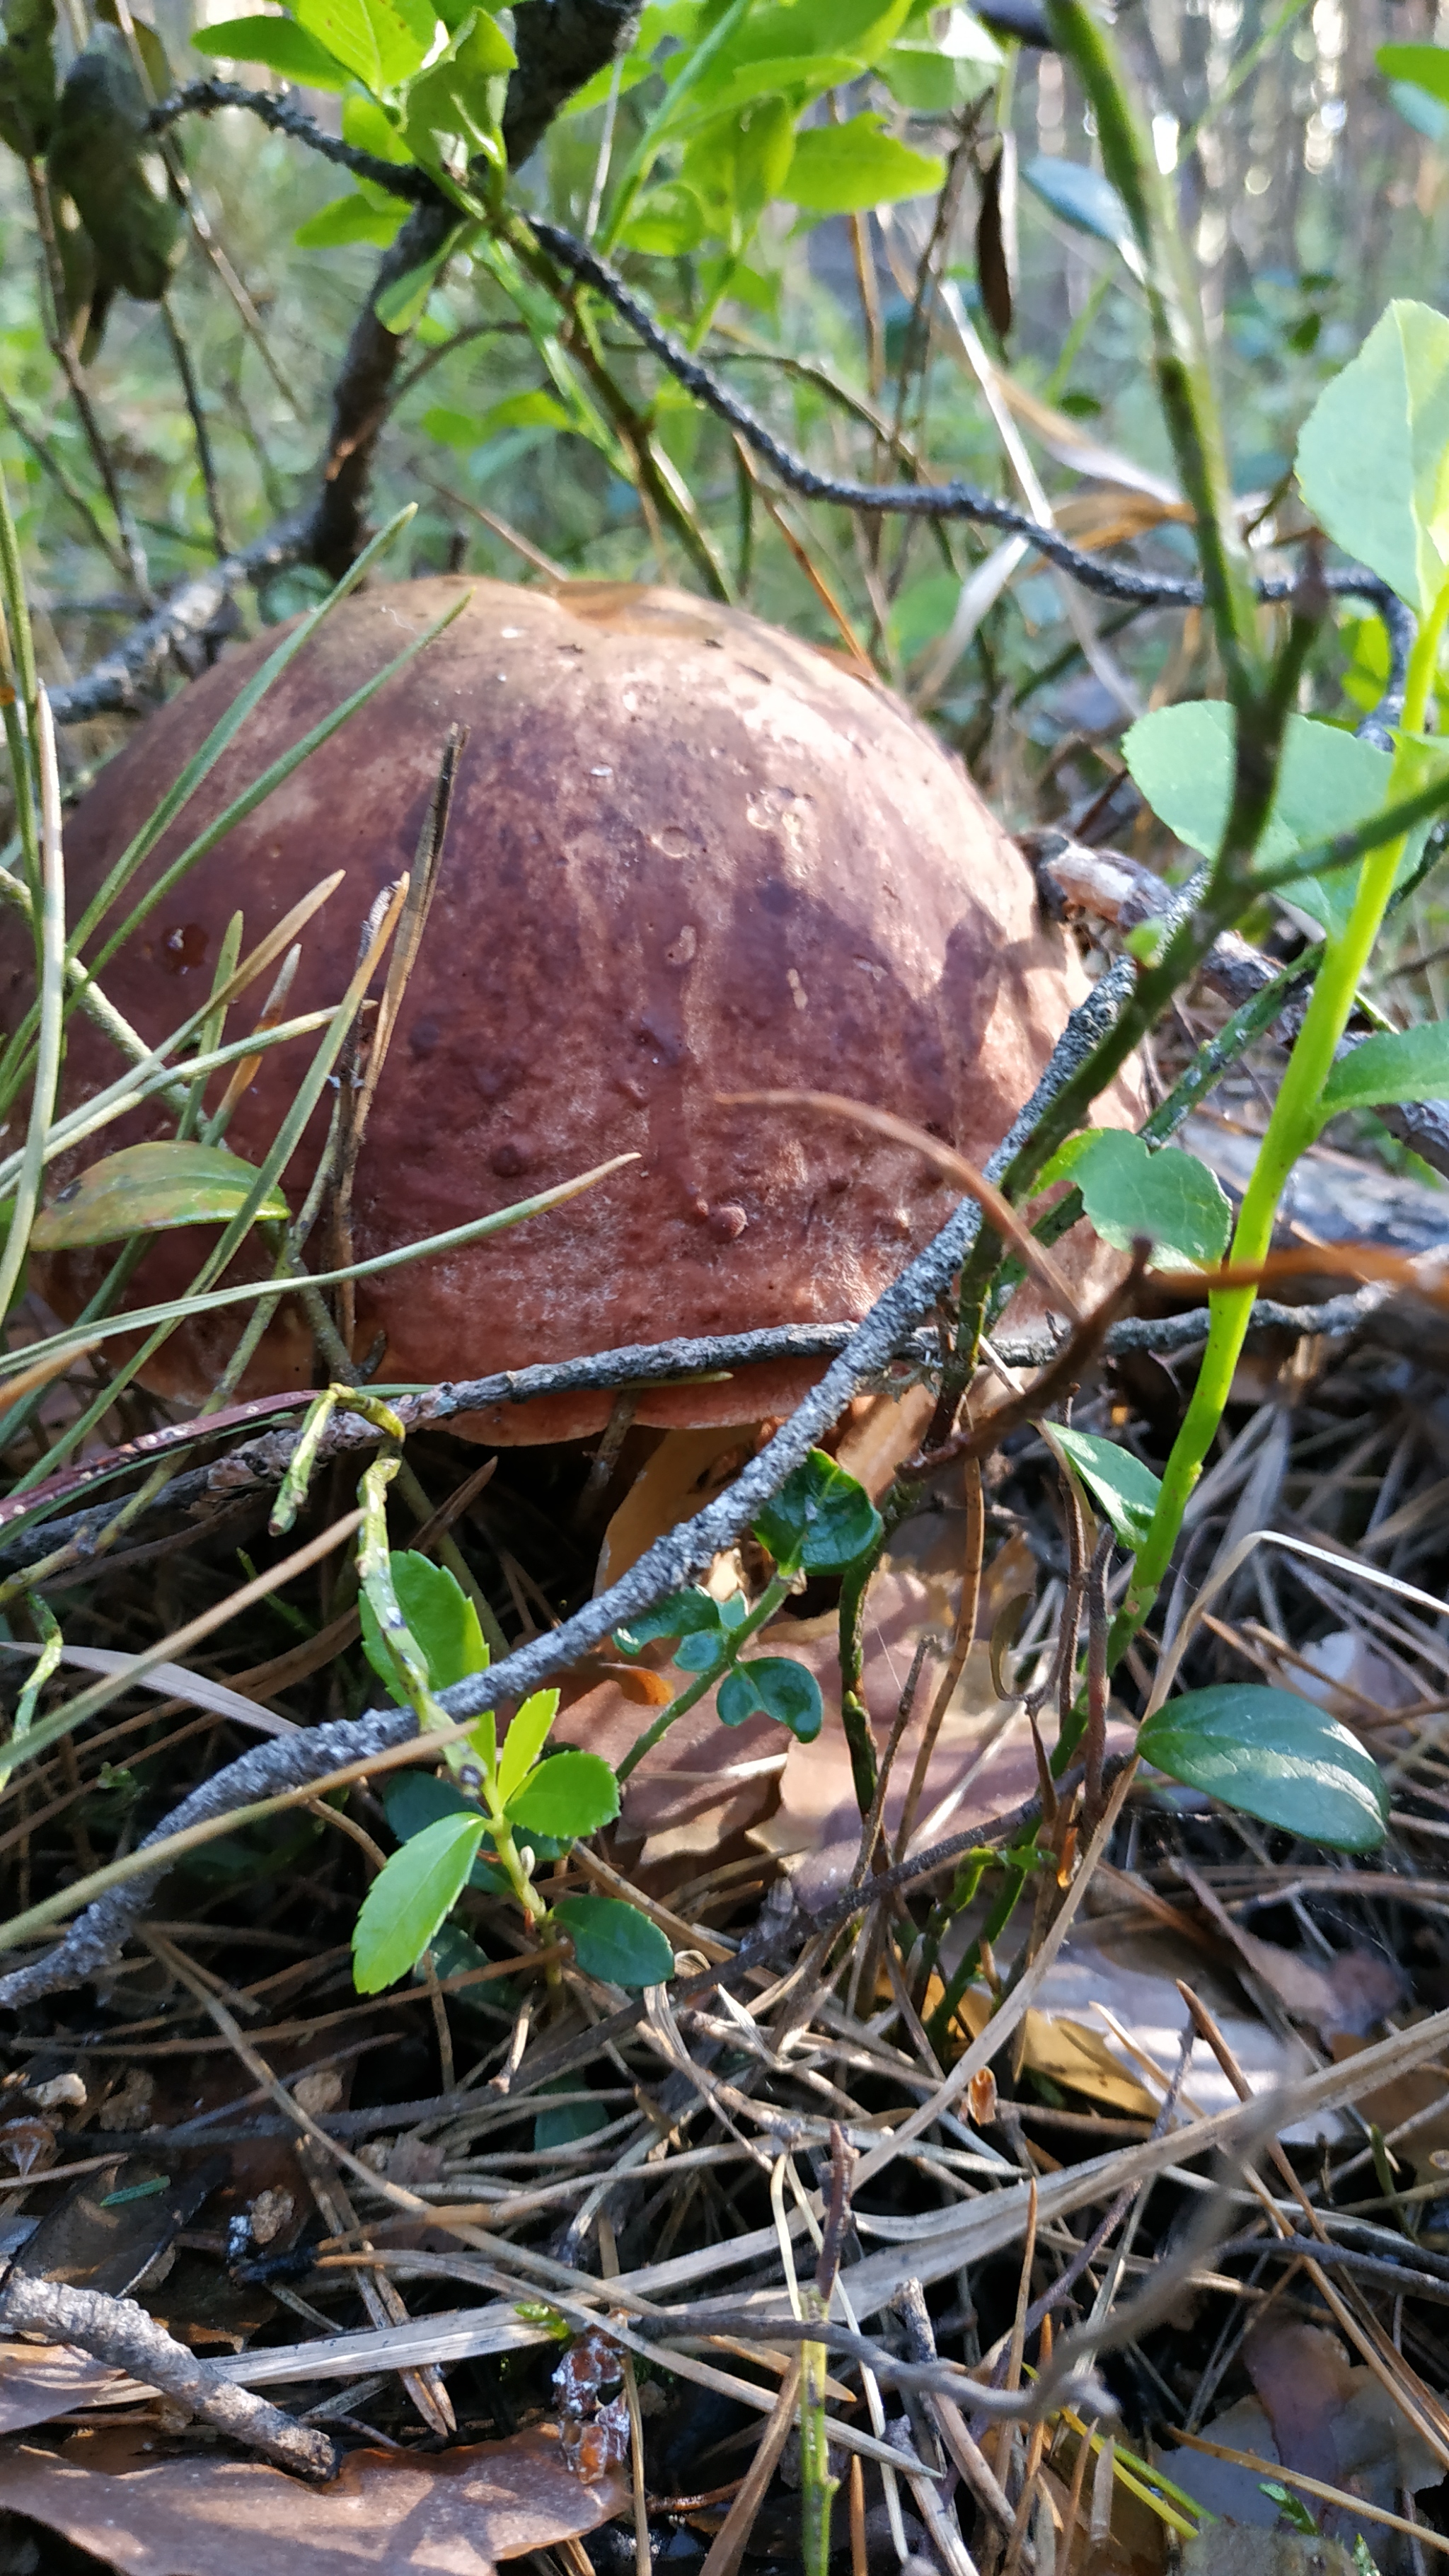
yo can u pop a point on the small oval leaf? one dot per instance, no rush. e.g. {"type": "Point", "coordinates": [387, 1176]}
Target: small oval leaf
{"type": "Point", "coordinates": [147, 1189]}
{"type": "Point", "coordinates": [568, 1795]}
{"type": "Point", "coordinates": [615, 1941]}
{"type": "Point", "coordinates": [1128, 1190]}
{"type": "Point", "coordinates": [788, 1692]}
{"type": "Point", "coordinates": [441, 1620]}
{"type": "Point", "coordinates": [418, 1886]}
{"type": "Point", "coordinates": [525, 1740]}
{"type": "Point", "coordinates": [1116, 1480]}
{"type": "Point", "coordinates": [1273, 1756]}
{"type": "Point", "coordinates": [820, 1521]}
{"type": "Point", "coordinates": [1395, 1064]}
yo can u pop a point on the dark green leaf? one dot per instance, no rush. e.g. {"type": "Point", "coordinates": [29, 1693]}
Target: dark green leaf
{"type": "Point", "coordinates": [1172, 1198]}
{"type": "Point", "coordinates": [684, 1614]}
{"type": "Point", "coordinates": [1084, 199]}
{"type": "Point", "coordinates": [1273, 1756]}
{"type": "Point", "coordinates": [696, 1654]}
{"type": "Point", "coordinates": [820, 1521]}
{"type": "Point", "coordinates": [27, 76]}
{"type": "Point", "coordinates": [1405, 1064]}
{"type": "Point", "coordinates": [1126, 1490]}
{"type": "Point", "coordinates": [279, 43]}
{"type": "Point", "coordinates": [570, 1794]}
{"type": "Point", "coordinates": [615, 1941]}
{"type": "Point", "coordinates": [147, 1189]}
{"type": "Point", "coordinates": [570, 2122]}
{"type": "Point", "coordinates": [421, 1882]}
{"type": "Point", "coordinates": [440, 1616]}
{"type": "Point", "coordinates": [785, 1691]}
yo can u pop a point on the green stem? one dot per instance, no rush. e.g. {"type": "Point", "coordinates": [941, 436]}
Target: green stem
{"type": "Point", "coordinates": [1295, 1122]}
{"type": "Point", "coordinates": [765, 1608]}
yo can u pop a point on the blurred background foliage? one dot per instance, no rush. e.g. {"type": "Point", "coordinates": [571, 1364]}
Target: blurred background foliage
{"type": "Point", "coordinates": [886, 228]}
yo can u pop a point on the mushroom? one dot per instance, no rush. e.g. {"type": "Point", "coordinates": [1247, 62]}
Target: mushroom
{"type": "Point", "coordinates": [689, 855]}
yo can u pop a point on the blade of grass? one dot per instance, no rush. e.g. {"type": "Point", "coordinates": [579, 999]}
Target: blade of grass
{"type": "Point", "coordinates": [52, 994]}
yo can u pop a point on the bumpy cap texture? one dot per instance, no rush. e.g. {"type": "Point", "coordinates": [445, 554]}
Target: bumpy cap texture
{"type": "Point", "coordinates": [688, 855]}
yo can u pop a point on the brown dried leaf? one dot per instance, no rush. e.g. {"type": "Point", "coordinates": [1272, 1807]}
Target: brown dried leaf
{"type": "Point", "coordinates": [1351, 1992]}
{"type": "Point", "coordinates": [39, 2381]}
{"type": "Point", "coordinates": [206, 2515]}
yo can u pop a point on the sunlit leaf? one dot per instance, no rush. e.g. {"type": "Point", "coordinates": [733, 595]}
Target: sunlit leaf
{"type": "Point", "coordinates": [1273, 1756]}
{"type": "Point", "coordinates": [279, 43]}
{"type": "Point", "coordinates": [525, 1740]}
{"type": "Point", "coordinates": [615, 1941]}
{"type": "Point", "coordinates": [382, 41]}
{"type": "Point", "coordinates": [439, 1614]}
{"type": "Point", "coordinates": [837, 169]}
{"type": "Point", "coordinates": [1373, 454]}
{"type": "Point", "coordinates": [420, 1883]}
{"type": "Point", "coordinates": [569, 1795]}
{"type": "Point", "coordinates": [1169, 1196]}
{"type": "Point", "coordinates": [1115, 1478]}
{"type": "Point", "coordinates": [1328, 781]}
{"type": "Point", "coordinates": [774, 1686]}
{"type": "Point", "coordinates": [1402, 1064]}
{"type": "Point", "coordinates": [147, 1189]}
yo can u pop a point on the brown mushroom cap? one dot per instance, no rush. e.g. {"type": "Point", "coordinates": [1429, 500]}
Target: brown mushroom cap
{"type": "Point", "coordinates": [688, 854]}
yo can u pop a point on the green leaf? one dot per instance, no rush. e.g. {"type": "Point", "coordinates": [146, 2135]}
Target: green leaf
{"type": "Point", "coordinates": [682, 1614]}
{"type": "Point", "coordinates": [1427, 66]}
{"type": "Point", "coordinates": [570, 2122]}
{"type": "Point", "coordinates": [935, 78]}
{"type": "Point", "coordinates": [1273, 1756]}
{"type": "Point", "coordinates": [1126, 1490]}
{"type": "Point", "coordinates": [525, 1740]}
{"type": "Point", "coordinates": [568, 1795]}
{"type": "Point", "coordinates": [1083, 198]}
{"type": "Point", "coordinates": [147, 1189]}
{"type": "Point", "coordinates": [1405, 1064]}
{"type": "Point", "coordinates": [820, 1521]}
{"type": "Point", "coordinates": [408, 1899]}
{"type": "Point", "coordinates": [837, 169]}
{"type": "Point", "coordinates": [413, 1800]}
{"type": "Point", "coordinates": [461, 95]}
{"type": "Point", "coordinates": [1328, 781]}
{"type": "Point", "coordinates": [788, 1692]}
{"type": "Point", "coordinates": [401, 305]}
{"type": "Point", "coordinates": [351, 219]}
{"type": "Point", "coordinates": [1373, 455]}
{"type": "Point", "coordinates": [1128, 1190]}
{"type": "Point", "coordinates": [383, 41]}
{"type": "Point", "coordinates": [279, 43]}
{"type": "Point", "coordinates": [440, 1616]}
{"type": "Point", "coordinates": [615, 1941]}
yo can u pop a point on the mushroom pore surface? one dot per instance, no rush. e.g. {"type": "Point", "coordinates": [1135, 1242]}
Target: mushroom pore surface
{"type": "Point", "coordinates": [688, 855]}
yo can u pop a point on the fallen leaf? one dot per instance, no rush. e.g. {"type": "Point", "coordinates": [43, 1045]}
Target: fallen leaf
{"type": "Point", "coordinates": [675, 1480]}
{"type": "Point", "coordinates": [453, 2514]}
{"type": "Point", "coordinates": [1312, 2412]}
{"type": "Point", "coordinates": [1133, 1975]}
{"type": "Point", "coordinates": [39, 2381]}
{"type": "Point", "coordinates": [1067, 2053]}
{"type": "Point", "coordinates": [1349, 1992]}
{"type": "Point", "coordinates": [1223, 2549]}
